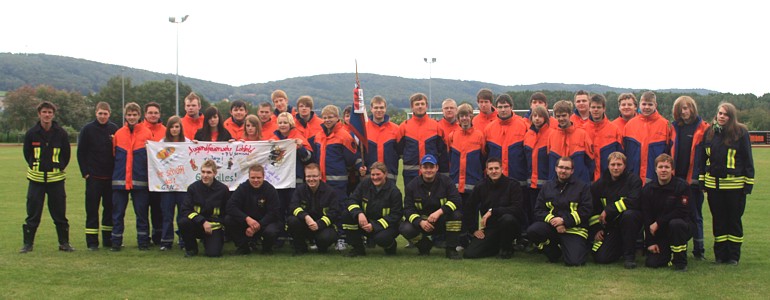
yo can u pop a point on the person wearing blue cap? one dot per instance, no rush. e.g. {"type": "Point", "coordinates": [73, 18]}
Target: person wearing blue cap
{"type": "Point", "coordinates": [432, 206]}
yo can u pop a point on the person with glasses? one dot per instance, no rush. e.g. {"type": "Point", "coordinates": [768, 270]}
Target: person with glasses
{"type": "Point", "coordinates": [313, 207]}
{"type": "Point", "coordinates": [562, 214]}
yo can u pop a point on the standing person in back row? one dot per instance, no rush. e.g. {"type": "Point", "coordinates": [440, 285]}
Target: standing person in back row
{"type": "Point", "coordinates": [487, 112]}
{"type": "Point", "coordinates": [627, 106]}
{"type": "Point", "coordinates": [688, 138]}
{"type": "Point", "coordinates": [582, 114]}
{"type": "Point", "coordinates": [153, 123]}
{"type": "Point", "coordinates": [645, 137]}
{"type": "Point", "coordinates": [421, 135]}
{"type": "Point", "coordinates": [604, 135]}
{"type": "Point", "coordinates": [96, 164]}
{"type": "Point", "coordinates": [726, 168]}
{"type": "Point", "coordinates": [193, 119]}
{"type": "Point", "coordinates": [47, 152]}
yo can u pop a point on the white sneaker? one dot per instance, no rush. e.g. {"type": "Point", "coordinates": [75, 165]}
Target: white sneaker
{"type": "Point", "coordinates": [313, 247]}
{"type": "Point", "coordinates": [341, 246]}
{"type": "Point", "coordinates": [459, 248]}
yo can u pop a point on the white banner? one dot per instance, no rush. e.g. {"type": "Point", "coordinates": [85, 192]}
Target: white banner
{"type": "Point", "coordinates": [174, 166]}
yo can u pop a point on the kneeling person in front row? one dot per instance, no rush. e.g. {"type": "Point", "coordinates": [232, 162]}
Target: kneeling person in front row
{"type": "Point", "coordinates": [253, 211]}
{"type": "Point", "coordinates": [202, 213]}
{"type": "Point", "coordinates": [374, 209]}
{"type": "Point", "coordinates": [666, 214]}
{"type": "Point", "coordinates": [313, 207]}
{"type": "Point", "coordinates": [499, 199]}
{"type": "Point", "coordinates": [561, 214]}
{"type": "Point", "coordinates": [432, 205]}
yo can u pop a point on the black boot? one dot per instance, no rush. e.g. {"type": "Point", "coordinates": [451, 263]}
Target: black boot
{"type": "Point", "coordinates": [451, 253]}
{"type": "Point", "coordinates": [358, 250]}
{"type": "Point", "coordinates": [107, 238]}
{"type": "Point", "coordinates": [92, 241]}
{"type": "Point", "coordinates": [391, 250]}
{"type": "Point", "coordinates": [63, 232]}
{"type": "Point", "coordinates": [424, 245]}
{"type": "Point", "coordinates": [29, 238]}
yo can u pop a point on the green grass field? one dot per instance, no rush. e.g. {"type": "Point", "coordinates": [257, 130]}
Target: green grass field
{"type": "Point", "coordinates": [48, 273]}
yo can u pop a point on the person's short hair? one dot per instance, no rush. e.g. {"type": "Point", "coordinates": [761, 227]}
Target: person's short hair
{"type": "Point", "coordinates": [625, 96]}
{"type": "Point", "coordinates": [192, 96]}
{"type": "Point", "coordinates": [448, 100]}
{"type": "Point", "coordinates": [562, 106]}
{"type": "Point", "coordinates": [151, 104]}
{"type": "Point", "coordinates": [504, 98]}
{"type": "Point", "coordinates": [598, 98]}
{"type": "Point", "coordinates": [103, 106]}
{"type": "Point", "coordinates": [278, 94]}
{"type": "Point", "coordinates": [582, 92]}
{"type": "Point", "coordinates": [132, 106]}
{"type": "Point", "coordinates": [648, 96]}
{"type": "Point", "coordinates": [378, 165]}
{"type": "Point", "coordinates": [348, 110]}
{"type": "Point", "coordinates": [331, 109]}
{"type": "Point", "coordinates": [541, 112]}
{"type": "Point", "coordinates": [465, 109]}
{"type": "Point", "coordinates": [538, 96]}
{"type": "Point", "coordinates": [684, 101]}
{"type": "Point", "coordinates": [238, 104]}
{"type": "Point", "coordinates": [46, 104]}
{"type": "Point", "coordinates": [305, 100]}
{"type": "Point", "coordinates": [485, 94]}
{"type": "Point", "coordinates": [567, 159]}
{"type": "Point", "coordinates": [417, 97]}
{"type": "Point", "coordinates": [617, 155]}
{"type": "Point", "coordinates": [266, 104]}
{"type": "Point", "coordinates": [312, 166]}
{"type": "Point", "coordinates": [377, 100]}
{"type": "Point", "coordinates": [257, 168]}
{"type": "Point", "coordinates": [288, 117]}
{"type": "Point", "coordinates": [493, 160]}
{"type": "Point", "coordinates": [209, 164]}
{"type": "Point", "coordinates": [664, 158]}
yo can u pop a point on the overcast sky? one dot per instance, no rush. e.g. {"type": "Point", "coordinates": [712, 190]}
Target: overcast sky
{"type": "Point", "coordinates": [718, 45]}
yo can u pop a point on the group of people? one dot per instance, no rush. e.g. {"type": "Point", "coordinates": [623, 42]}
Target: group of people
{"type": "Point", "coordinates": [569, 184]}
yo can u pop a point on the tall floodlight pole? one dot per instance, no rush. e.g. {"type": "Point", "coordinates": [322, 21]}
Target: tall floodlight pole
{"type": "Point", "coordinates": [173, 20]}
{"type": "Point", "coordinates": [430, 77]}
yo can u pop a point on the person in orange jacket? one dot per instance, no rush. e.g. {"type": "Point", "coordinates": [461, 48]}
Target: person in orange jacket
{"type": "Point", "coordinates": [421, 135]}
{"type": "Point", "coordinates": [265, 114]}
{"type": "Point", "coordinates": [487, 112]}
{"type": "Point", "coordinates": [235, 123]}
{"type": "Point", "coordinates": [538, 99]}
{"type": "Point", "coordinates": [383, 136]}
{"type": "Point", "coordinates": [308, 123]}
{"type": "Point", "coordinates": [605, 136]}
{"type": "Point", "coordinates": [581, 115]}
{"type": "Point", "coordinates": [130, 177]}
{"type": "Point", "coordinates": [536, 150]}
{"type": "Point", "coordinates": [645, 137]}
{"type": "Point", "coordinates": [281, 103]}
{"type": "Point", "coordinates": [570, 140]}
{"type": "Point", "coordinates": [449, 122]}
{"type": "Point", "coordinates": [193, 119]}
{"type": "Point", "coordinates": [627, 106]}
{"type": "Point", "coordinates": [158, 130]}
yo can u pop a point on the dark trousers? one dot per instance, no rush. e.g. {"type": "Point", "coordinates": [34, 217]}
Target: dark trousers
{"type": "Point", "coordinates": [156, 217]}
{"type": "Point", "coordinates": [696, 215]}
{"type": "Point", "coordinates": [572, 246]}
{"type": "Point", "coordinates": [529, 207]}
{"type": "Point", "coordinates": [57, 207]}
{"type": "Point", "coordinates": [98, 191]}
{"type": "Point", "coordinates": [470, 214]}
{"type": "Point", "coordinates": [141, 202]}
{"type": "Point", "coordinates": [170, 203]}
{"type": "Point", "coordinates": [449, 225]}
{"type": "Point", "coordinates": [267, 232]}
{"type": "Point", "coordinates": [672, 241]}
{"type": "Point", "coordinates": [382, 237]}
{"type": "Point", "coordinates": [619, 238]}
{"type": "Point", "coordinates": [284, 195]}
{"type": "Point", "coordinates": [498, 235]}
{"type": "Point", "coordinates": [191, 232]}
{"type": "Point", "coordinates": [727, 208]}
{"type": "Point", "coordinates": [300, 233]}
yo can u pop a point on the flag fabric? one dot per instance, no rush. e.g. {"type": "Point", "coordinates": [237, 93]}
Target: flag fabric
{"type": "Point", "coordinates": [358, 118]}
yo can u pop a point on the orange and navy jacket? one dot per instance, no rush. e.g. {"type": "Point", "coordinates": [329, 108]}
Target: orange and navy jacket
{"type": "Point", "coordinates": [505, 140]}
{"type": "Point", "coordinates": [536, 150]}
{"type": "Point", "coordinates": [310, 128]}
{"type": "Point", "coordinates": [236, 131]}
{"type": "Point", "coordinates": [304, 153]}
{"type": "Point", "coordinates": [130, 158]}
{"type": "Point", "coordinates": [466, 158]}
{"type": "Point", "coordinates": [726, 167]}
{"type": "Point", "coordinates": [448, 128]}
{"type": "Point", "coordinates": [383, 145]}
{"type": "Point", "coordinates": [481, 120]}
{"type": "Point", "coordinates": [158, 130]}
{"type": "Point", "coordinates": [644, 138]}
{"type": "Point", "coordinates": [290, 109]}
{"type": "Point", "coordinates": [191, 125]}
{"type": "Point", "coordinates": [336, 154]}
{"type": "Point", "coordinates": [620, 123]}
{"type": "Point", "coordinates": [420, 136]}
{"type": "Point", "coordinates": [47, 153]}
{"type": "Point", "coordinates": [606, 139]}
{"type": "Point", "coordinates": [577, 120]}
{"type": "Point", "coordinates": [268, 128]}
{"type": "Point", "coordinates": [575, 143]}
{"type": "Point", "coordinates": [697, 142]}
